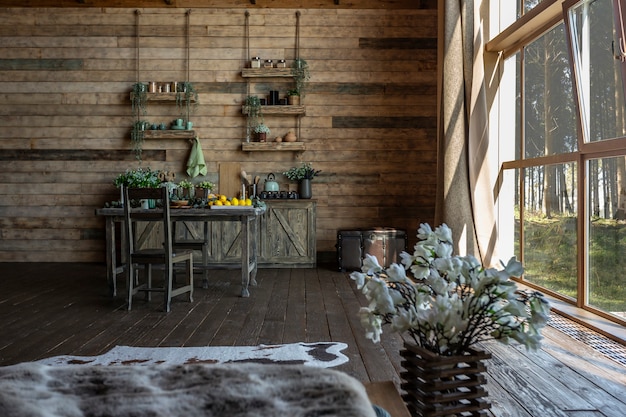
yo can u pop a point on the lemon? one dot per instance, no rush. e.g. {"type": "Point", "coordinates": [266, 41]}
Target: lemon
{"type": "Point", "coordinates": [234, 201]}
{"type": "Point", "coordinates": [227, 203]}
{"type": "Point", "coordinates": [219, 203]}
{"type": "Point", "coordinates": [248, 202]}
{"type": "Point", "coordinates": [223, 198]}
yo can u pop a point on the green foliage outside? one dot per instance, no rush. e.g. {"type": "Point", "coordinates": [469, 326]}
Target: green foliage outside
{"type": "Point", "coordinates": [550, 259]}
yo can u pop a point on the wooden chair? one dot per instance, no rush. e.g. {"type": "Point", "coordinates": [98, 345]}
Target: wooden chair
{"type": "Point", "coordinates": [184, 239]}
{"type": "Point", "coordinates": [163, 256]}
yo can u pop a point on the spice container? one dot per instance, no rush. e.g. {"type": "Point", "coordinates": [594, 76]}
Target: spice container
{"type": "Point", "coordinates": [281, 64]}
{"type": "Point", "coordinates": [255, 62]}
{"type": "Point", "coordinates": [268, 63]}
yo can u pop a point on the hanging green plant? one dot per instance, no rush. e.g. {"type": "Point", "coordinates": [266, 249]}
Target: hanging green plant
{"type": "Point", "coordinates": [139, 98]}
{"type": "Point", "coordinates": [301, 74]}
{"type": "Point", "coordinates": [137, 135]}
{"type": "Point", "coordinates": [252, 106]}
{"type": "Point", "coordinates": [253, 109]}
{"type": "Point", "coordinates": [186, 98]}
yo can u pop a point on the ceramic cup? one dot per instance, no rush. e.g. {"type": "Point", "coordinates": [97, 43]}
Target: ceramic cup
{"type": "Point", "coordinates": [189, 125]}
{"type": "Point", "coordinates": [179, 122]}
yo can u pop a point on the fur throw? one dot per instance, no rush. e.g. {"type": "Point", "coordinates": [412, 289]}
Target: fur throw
{"type": "Point", "coordinates": [230, 390]}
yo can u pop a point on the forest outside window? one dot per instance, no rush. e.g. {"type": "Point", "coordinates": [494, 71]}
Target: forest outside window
{"type": "Point", "coordinates": [562, 197]}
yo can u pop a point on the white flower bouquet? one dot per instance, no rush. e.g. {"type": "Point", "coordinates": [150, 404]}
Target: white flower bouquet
{"type": "Point", "coordinates": [453, 302]}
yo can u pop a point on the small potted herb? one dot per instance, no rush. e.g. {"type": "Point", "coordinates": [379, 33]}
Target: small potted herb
{"type": "Point", "coordinates": [185, 190]}
{"type": "Point", "coordinates": [261, 132]}
{"type": "Point", "coordinates": [293, 97]}
{"type": "Point", "coordinates": [203, 189]}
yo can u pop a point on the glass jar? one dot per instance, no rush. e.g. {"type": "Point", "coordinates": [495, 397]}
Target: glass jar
{"type": "Point", "coordinates": [268, 63]}
{"type": "Point", "coordinates": [255, 62]}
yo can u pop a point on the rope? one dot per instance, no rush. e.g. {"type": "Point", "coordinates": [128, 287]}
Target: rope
{"type": "Point", "coordinates": [137, 14]}
{"type": "Point", "coordinates": [297, 35]}
{"type": "Point", "coordinates": [188, 46]}
{"type": "Point", "coordinates": [247, 35]}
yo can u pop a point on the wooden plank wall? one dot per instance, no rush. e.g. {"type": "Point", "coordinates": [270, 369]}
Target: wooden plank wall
{"type": "Point", "coordinates": [65, 114]}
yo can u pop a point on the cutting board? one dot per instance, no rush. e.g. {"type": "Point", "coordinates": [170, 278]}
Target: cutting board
{"type": "Point", "coordinates": [230, 178]}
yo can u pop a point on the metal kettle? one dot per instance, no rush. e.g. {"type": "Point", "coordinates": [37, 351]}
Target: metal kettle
{"type": "Point", "coordinates": [270, 183]}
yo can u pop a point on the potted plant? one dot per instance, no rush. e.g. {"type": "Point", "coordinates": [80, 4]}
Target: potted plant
{"type": "Point", "coordinates": [185, 190]}
{"type": "Point", "coordinates": [448, 305]}
{"type": "Point", "coordinates": [137, 136]}
{"type": "Point", "coordinates": [293, 97]}
{"type": "Point", "coordinates": [139, 178]}
{"type": "Point", "coordinates": [261, 132]}
{"type": "Point", "coordinates": [301, 74]}
{"type": "Point", "coordinates": [303, 174]}
{"type": "Point", "coordinates": [204, 188]}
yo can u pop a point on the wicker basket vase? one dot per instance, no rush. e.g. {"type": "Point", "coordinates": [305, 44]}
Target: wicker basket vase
{"type": "Point", "coordinates": [437, 385]}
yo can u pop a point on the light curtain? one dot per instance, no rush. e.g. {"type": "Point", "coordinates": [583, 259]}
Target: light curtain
{"type": "Point", "coordinates": [465, 199]}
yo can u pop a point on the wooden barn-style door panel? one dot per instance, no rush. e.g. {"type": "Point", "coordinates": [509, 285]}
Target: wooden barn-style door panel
{"type": "Point", "coordinates": [224, 239]}
{"type": "Point", "coordinates": [288, 230]}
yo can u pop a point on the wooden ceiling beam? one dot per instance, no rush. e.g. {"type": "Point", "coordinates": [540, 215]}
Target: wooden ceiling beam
{"type": "Point", "coordinates": [292, 4]}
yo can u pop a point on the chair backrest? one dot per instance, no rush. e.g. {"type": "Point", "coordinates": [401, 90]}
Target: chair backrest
{"type": "Point", "coordinates": [160, 214]}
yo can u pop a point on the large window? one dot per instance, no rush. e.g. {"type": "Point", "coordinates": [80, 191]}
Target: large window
{"type": "Point", "coordinates": [598, 52]}
{"type": "Point", "coordinates": [562, 206]}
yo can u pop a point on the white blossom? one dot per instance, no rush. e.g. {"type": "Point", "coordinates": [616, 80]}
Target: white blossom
{"type": "Point", "coordinates": [453, 301]}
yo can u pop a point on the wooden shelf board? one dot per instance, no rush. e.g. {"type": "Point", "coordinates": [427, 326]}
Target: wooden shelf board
{"type": "Point", "coordinates": [279, 109]}
{"type": "Point", "coordinates": [272, 146]}
{"type": "Point", "coordinates": [163, 97]}
{"type": "Point", "coordinates": [169, 134]}
{"type": "Point", "coordinates": [266, 72]}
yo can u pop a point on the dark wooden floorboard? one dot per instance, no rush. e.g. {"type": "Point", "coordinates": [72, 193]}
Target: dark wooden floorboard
{"type": "Point", "coordinates": [54, 309]}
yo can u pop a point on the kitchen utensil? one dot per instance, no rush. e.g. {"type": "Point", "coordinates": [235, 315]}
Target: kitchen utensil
{"type": "Point", "coordinates": [270, 183]}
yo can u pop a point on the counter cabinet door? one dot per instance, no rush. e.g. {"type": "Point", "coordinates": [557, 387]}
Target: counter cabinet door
{"type": "Point", "coordinates": [288, 234]}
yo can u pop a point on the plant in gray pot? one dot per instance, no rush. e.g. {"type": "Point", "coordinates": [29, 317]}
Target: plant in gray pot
{"type": "Point", "coordinates": [303, 174]}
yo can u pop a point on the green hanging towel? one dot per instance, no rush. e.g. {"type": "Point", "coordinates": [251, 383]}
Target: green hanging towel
{"type": "Point", "coordinates": [196, 165]}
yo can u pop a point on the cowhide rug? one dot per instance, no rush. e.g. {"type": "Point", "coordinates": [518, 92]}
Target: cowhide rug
{"type": "Point", "coordinates": [222, 390]}
{"type": "Point", "coordinates": [322, 355]}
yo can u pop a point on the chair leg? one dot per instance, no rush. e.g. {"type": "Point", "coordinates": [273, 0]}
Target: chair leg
{"type": "Point", "coordinates": [130, 281]}
{"type": "Point", "coordinates": [169, 274]}
{"type": "Point", "coordinates": [189, 271]}
{"type": "Point", "coordinates": [148, 269]}
{"type": "Point", "coordinates": [205, 266]}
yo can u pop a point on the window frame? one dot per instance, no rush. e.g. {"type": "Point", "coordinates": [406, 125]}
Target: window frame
{"type": "Point", "coordinates": [512, 40]}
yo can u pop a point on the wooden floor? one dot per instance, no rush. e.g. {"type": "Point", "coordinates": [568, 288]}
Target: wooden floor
{"type": "Point", "coordinates": [52, 309]}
